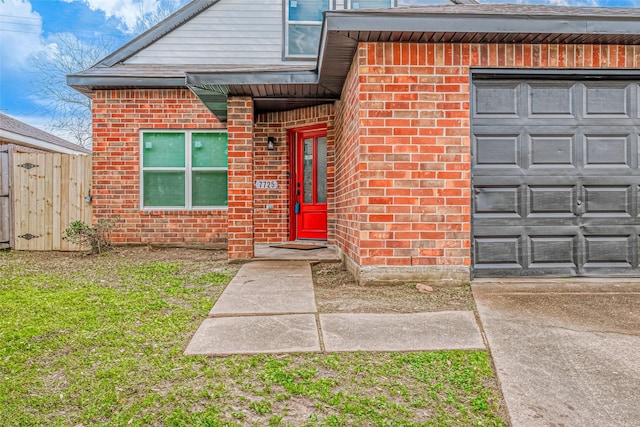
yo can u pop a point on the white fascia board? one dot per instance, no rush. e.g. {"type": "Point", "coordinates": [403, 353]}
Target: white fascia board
{"type": "Point", "coordinates": [16, 138]}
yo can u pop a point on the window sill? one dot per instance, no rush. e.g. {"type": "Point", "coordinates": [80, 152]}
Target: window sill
{"type": "Point", "coordinates": [182, 211]}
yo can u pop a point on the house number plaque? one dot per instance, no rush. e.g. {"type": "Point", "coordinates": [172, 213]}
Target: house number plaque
{"type": "Point", "coordinates": [266, 184]}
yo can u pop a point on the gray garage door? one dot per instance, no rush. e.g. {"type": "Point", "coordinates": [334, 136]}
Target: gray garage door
{"type": "Point", "coordinates": [555, 177]}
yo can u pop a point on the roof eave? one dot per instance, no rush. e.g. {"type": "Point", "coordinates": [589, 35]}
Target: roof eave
{"type": "Point", "coordinates": [31, 142]}
{"type": "Point", "coordinates": [87, 84]}
{"type": "Point", "coordinates": [249, 78]}
{"type": "Point", "coordinates": [343, 30]}
{"type": "Point", "coordinates": [479, 22]}
{"type": "Point", "coordinates": [213, 88]}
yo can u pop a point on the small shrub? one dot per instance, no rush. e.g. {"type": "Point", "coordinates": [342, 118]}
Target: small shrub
{"type": "Point", "coordinates": [96, 236]}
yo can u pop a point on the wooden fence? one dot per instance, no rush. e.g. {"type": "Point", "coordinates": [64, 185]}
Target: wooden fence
{"type": "Point", "coordinates": [5, 219]}
{"type": "Point", "coordinates": [47, 192]}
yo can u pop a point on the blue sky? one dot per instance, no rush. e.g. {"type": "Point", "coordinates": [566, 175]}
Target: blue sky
{"type": "Point", "coordinates": [28, 27]}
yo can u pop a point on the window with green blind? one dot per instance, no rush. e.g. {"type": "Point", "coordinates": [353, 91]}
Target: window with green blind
{"type": "Point", "coordinates": [184, 169]}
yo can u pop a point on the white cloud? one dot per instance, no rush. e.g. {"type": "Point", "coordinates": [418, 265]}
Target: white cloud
{"type": "Point", "coordinates": [20, 33]}
{"type": "Point", "coordinates": [43, 123]}
{"type": "Point", "coordinates": [128, 12]}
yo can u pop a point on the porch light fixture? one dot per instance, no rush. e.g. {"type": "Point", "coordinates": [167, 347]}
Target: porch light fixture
{"type": "Point", "coordinates": [271, 143]}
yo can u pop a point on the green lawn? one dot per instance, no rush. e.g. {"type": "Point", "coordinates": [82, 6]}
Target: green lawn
{"type": "Point", "coordinates": [99, 341]}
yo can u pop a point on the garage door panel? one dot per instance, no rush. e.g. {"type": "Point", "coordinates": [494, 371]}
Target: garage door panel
{"type": "Point", "coordinates": [498, 251]}
{"type": "Point", "coordinates": [540, 222]}
{"type": "Point", "coordinates": [608, 202]}
{"type": "Point", "coordinates": [497, 151]}
{"type": "Point", "coordinates": [551, 99]}
{"type": "Point", "coordinates": [556, 186]}
{"type": "Point", "coordinates": [496, 100]}
{"type": "Point", "coordinates": [502, 202]}
{"type": "Point", "coordinates": [607, 99]}
{"type": "Point", "coordinates": [552, 150]}
{"type": "Point", "coordinates": [553, 251]}
{"type": "Point", "coordinates": [608, 251]}
{"type": "Point", "coordinates": [607, 150]}
{"type": "Point", "coordinates": [552, 201]}
{"type": "Point", "coordinates": [521, 255]}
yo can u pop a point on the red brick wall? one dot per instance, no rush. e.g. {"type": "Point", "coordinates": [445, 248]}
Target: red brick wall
{"type": "Point", "coordinates": [118, 117]}
{"type": "Point", "coordinates": [347, 163]}
{"type": "Point", "coordinates": [401, 195]}
{"type": "Point", "coordinates": [414, 142]}
{"type": "Point", "coordinates": [240, 128]}
{"type": "Point", "coordinates": [271, 226]}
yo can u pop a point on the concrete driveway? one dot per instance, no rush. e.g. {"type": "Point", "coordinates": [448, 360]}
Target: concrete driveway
{"type": "Point", "coordinates": [567, 352]}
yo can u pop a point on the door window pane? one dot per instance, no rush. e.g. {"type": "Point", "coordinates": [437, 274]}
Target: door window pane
{"type": "Point", "coordinates": [322, 170]}
{"type": "Point", "coordinates": [164, 188]}
{"type": "Point", "coordinates": [209, 188]}
{"type": "Point", "coordinates": [304, 39]}
{"type": "Point", "coordinates": [308, 170]}
{"type": "Point", "coordinates": [209, 150]}
{"type": "Point", "coordinates": [163, 149]}
{"type": "Point", "coordinates": [307, 10]}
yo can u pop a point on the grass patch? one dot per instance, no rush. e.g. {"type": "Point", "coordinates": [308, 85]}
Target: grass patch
{"type": "Point", "coordinates": [99, 341]}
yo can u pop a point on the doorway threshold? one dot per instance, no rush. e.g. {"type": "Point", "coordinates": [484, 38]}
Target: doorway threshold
{"type": "Point", "coordinates": [322, 252]}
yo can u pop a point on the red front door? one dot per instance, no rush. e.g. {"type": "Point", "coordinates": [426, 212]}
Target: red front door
{"type": "Point", "coordinates": [309, 184]}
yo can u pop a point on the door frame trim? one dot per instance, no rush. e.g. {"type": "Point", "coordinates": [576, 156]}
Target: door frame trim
{"type": "Point", "coordinates": [292, 141]}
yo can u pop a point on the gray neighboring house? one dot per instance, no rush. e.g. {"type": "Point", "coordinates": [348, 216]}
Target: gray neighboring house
{"type": "Point", "coordinates": [21, 135]}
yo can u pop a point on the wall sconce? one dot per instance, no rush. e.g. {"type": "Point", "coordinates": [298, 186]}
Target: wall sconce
{"type": "Point", "coordinates": [271, 143]}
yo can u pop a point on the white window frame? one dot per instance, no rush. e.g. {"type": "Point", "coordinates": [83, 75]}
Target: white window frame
{"type": "Point", "coordinates": [188, 169]}
{"type": "Point", "coordinates": [287, 55]}
{"type": "Point", "coordinates": [333, 5]}
{"type": "Point", "coordinates": [394, 3]}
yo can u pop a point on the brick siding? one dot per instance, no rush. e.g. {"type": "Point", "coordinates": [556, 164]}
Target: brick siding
{"type": "Point", "coordinates": [400, 154]}
{"type": "Point", "coordinates": [348, 193]}
{"type": "Point", "coordinates": [240, 128]}
{"type": "Point", "coordinates": [118, 117]}
{"type": "Point", "coordinates": [405, 167]}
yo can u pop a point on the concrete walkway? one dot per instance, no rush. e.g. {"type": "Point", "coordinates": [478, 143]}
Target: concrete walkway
{"type": "Point", "coordinates": [269, 307]}
{"type": "Point", "coordinates": [566, 352]}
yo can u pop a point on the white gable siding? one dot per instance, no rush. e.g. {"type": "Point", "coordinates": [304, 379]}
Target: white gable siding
{"type": "Point", "coordinates": [237, 32]}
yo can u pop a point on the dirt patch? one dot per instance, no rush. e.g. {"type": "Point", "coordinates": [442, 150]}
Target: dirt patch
{"type": "Point", "coordinates": [91, 267]}
{"type": "Point", "coordinates": [337, 292]}
{"type": "Point", "coordinates": [336, 289]}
